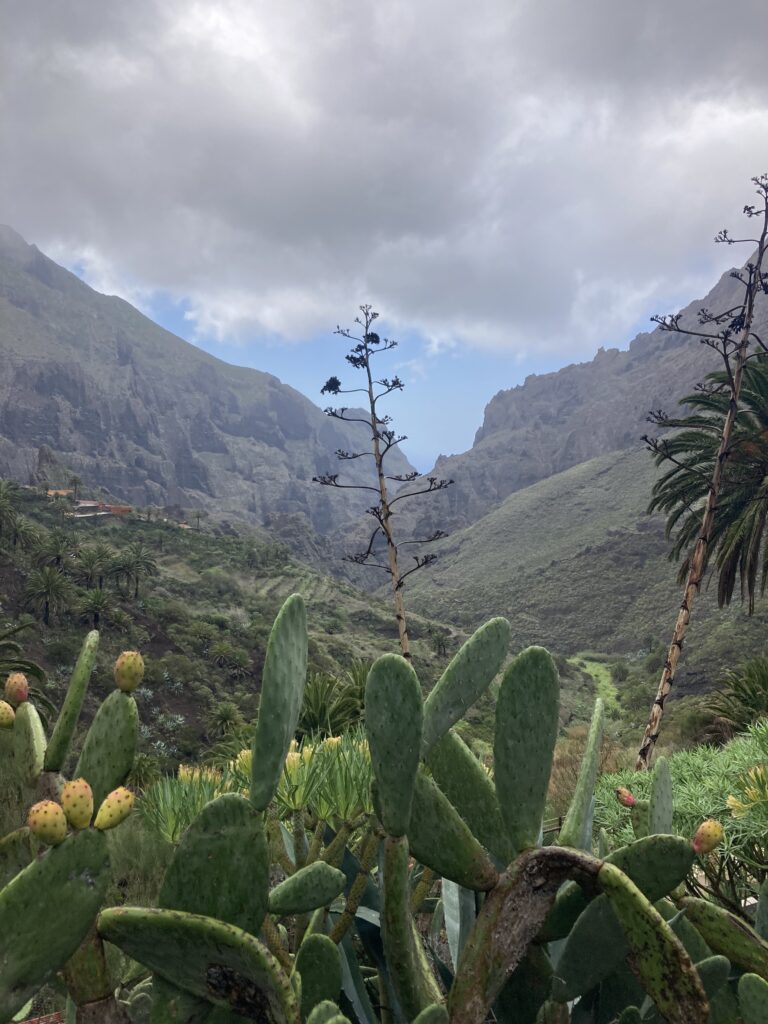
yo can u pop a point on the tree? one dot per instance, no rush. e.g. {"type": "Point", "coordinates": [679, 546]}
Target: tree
{"type": "Point", "coordinates": [135, 564]}
{"type": "Point", "coordinates": [737, 540]}
{"type": "Point", "coordinates": [75, 483]}
{"type": "Point", "coordinates": [91, 565]}
{"type": "Point", "coordinates": [11, 654]}
{"type": "Point", "coordinates": [95, 605]}
{"type": "Point", "coordinates": [47, 592]}
{"type": "Point", "coordinates": [57, 549]}
{"type": "Point", "coordinates": [381, 544]}
{"type": "Point", "coordinates": [8, 500]}
{"type": "Point", "coordinates": [25, 534]}
{"type": "Point", "coordinates": [730, 333]}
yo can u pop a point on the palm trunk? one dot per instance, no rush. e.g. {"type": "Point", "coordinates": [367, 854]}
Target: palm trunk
{"type": "Point", "coordinates": [699, 558]}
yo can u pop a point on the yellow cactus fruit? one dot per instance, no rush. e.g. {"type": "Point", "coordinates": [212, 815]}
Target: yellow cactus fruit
{"type": "Point", "coordinates": [16, 688]}
{"type": "Point", "coordinates": [709, 835]}
{"type": "Point", "coordinates": [115, 808]}
{"type": "Point", "coordinates": [7, 715]}
{"type": "Point", "coordinates": [129, 671]}
{"type": "Point", "coordinates": [48, 822]}
{"type": "Point", "coordinates": [77, 801]}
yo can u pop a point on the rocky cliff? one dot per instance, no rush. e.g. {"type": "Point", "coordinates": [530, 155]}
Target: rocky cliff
{"type": "Point", "coordinates": [90, 383]}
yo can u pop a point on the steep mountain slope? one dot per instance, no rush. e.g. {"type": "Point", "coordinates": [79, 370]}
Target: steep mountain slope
{"type": "Point", "coordinates": [558, 420]}
{"type": "Point", "coordinates": [574, 563]}
{"type": "Point", "coordinates": [90, 382]}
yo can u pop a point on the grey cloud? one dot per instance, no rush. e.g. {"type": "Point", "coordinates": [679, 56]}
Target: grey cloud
{"type": "Point", "coordinates": [518, 175]}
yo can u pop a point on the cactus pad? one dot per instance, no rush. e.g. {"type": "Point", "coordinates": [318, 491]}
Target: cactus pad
{"type": "Point", "coordinates": [28, 744]}
{"type": "Point", "coordinates": [438, 838]}
{"type": "Point", "coordinates": [466, 678]}
{"type": "Point", "coordinates": [753, 999]}
{"type": "Point", "coordinates": [282, 691]}
{"type": "Point", "coordinates": [221, 866]}
{"type": "Point", "coordinates": [527, 721]}
{"type": "Point", "coordinates": [206, 957]}
{"type": "Point", "coordinates": [319, 966]}
{"type": "Point", "coordinates": [469, 787]}
{"type": "Point", "coordinates": [393, 720]}
{"type": "Point", "coordinates": [310, 888]}
{"type": "Point", "coordinates": [61, 737]}
{"type": "Point", "coordinates": [40, 933]}
{"type": "Point", "coordinates": [110, 745]}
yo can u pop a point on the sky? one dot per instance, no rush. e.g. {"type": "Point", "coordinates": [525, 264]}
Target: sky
{"type": "Point", "coordinates": [510, 183]}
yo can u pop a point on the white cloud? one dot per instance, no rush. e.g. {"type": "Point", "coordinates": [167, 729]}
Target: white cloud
{"type": "Point", "coordinates": [520, 177]}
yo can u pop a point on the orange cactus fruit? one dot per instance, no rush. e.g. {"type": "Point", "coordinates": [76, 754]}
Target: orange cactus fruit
{"type": "Point", "coordinates": [48, 822]}
{"type": "Point", "coordinates": [16, 688]}
{"type": "Point", "coordinates": [625, 798]}
{"type": "Point", "coordinates": [7, 715]}
{"type": "Point", "coordinates": [115, 808]}
{"type": "Point", "coordinates": [77, 801]}
{"type": "Point", "coordinates": [708, 836]}
{"type": "Point", "coordinates": [129, 671]}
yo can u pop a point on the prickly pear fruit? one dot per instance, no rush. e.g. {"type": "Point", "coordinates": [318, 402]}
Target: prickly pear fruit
{"type": "Point", "coordinates": [115, 808]}
{"type": "Point", "coordinates": [625, 798]}
{"type": "Point", "coordinates": [77, 801]}
{"type": "Point", "coordinates": [129, 671]}
{"type": "Point", "coordinates": [16, 688]}
{"type": "Point", "coordinates": [48, 822]}
{"type": "Point", "coordinates": [7, 715]}
{"type": "Point", "coordinates": [709, 834]}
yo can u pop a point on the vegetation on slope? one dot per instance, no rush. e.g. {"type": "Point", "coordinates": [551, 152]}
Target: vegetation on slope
{"type": "Point", "coordinates": [574, 562]}
{"type": "Point", "coordinates": [198, 604]}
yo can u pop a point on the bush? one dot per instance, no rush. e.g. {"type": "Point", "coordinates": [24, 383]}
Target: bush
{"type": "Point", "coordinates": [704, 779]}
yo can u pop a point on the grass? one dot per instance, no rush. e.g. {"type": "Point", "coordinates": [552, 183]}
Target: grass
{"type": "Point", "coordinates": [604, 684]}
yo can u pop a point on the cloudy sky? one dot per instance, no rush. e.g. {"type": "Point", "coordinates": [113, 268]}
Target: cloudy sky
{"type": "Point", "coordinates": [512, 183]}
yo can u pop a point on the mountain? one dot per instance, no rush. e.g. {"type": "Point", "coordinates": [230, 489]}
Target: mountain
{"type": "Point", "coordinates": [91, 384]}
{"type": "Point", "coordinates": [548, 511]}
{"type": "Point", "coordinates": [558, 420]}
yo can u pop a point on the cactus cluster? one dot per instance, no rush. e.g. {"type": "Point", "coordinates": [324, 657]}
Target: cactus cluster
{"type": "Point", "coordinates": [283, 905]}
{"type": "Point", "coordinates": [54, 871]}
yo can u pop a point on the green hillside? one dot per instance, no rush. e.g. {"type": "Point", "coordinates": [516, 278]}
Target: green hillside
{"type": "Point", "coordinates": [575, 564]}
{"type": "Point", "coordinates": [202, 621]}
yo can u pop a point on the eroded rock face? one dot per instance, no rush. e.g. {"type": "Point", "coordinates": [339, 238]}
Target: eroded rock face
{"type": "Point", "coordinates": [558, 420]}
{"type": "Point", "coordinates": [128, 406]}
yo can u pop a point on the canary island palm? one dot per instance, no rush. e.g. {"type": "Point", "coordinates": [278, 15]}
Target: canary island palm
{"type": "Point", "coordinates": [737, 542]}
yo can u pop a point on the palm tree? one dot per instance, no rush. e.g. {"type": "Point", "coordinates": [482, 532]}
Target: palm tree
{"type": "Point", "coordinates": [57, 549]}
{"type": "Point", "coordinates": [8, 511]}
{"type": "Point", "coordinates": [11, 657]}
{"type": "Point", "coordinates": [134, 564]}
{"type": "Point", "coordinates": [25, 534]}
{"type": "Point", "coordinates": [106, 558]}
{"type": "Point", "coordinates": [47, 592]}
{"type": "Point", "coordinates": [91, 565]}
{"type": "Point", "coordinates": [94, 605]}
{"type": "Point", "coordinates": [736, 545]}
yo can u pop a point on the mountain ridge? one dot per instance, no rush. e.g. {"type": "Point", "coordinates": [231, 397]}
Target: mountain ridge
{"type": "Point", "coordinates": [92, 383]}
